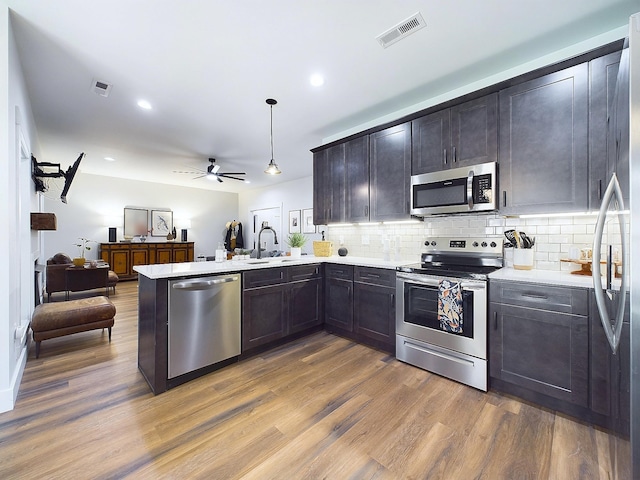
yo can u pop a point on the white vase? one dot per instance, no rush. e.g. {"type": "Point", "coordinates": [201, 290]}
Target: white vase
{"type": "Point", "coordinates": [296, 252]}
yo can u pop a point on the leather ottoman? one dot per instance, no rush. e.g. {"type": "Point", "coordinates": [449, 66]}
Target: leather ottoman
{"type": "Point", "coordinates": [57, 319]}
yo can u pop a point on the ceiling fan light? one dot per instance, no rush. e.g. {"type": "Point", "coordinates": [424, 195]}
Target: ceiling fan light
{"type": "Point", "coordinates": [273, 169]}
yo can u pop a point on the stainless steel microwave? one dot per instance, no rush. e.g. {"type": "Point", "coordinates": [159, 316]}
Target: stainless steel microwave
{"type": "Point", "coordinates": [457, 190]}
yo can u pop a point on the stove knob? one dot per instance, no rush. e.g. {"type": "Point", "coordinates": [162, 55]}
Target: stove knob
{"type": "Point", "coordinates": [484, 244]}
{"type": "Point", "coordinates": [426, 244]}
{"type": "Point", "coordinates": [493, 244]}
{"type": "Point", "coordinates": [475, 244]}
{"type": "Point", "coordinates": [433, 243]}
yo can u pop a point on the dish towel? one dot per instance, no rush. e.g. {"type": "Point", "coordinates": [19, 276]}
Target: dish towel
{"type": "Point", "coordinates": [450, 306]}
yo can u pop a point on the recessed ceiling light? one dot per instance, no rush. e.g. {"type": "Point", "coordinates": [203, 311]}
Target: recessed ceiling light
{"type": "Point", "coordinates": [144, 104]}
{"type": "Point", "coordinates": [316, 80]}
{"type": "Point", "coordinates": [110, 159]}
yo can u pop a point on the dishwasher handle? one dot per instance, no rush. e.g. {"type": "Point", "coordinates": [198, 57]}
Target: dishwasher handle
{"type": "Point", "coordinates": [203, 284]}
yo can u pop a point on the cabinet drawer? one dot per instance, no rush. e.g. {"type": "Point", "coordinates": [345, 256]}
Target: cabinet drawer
{"type": "Point", "coordinates": [544, 297]}
{"type": "Point", "coordinates": [264, 277]}
{"type": "Point", "coordinates": [304, 272]}
{"type": "Point", "coordinates": [342, 272]}
{"type": "Point", "coordinates": [375, 276]}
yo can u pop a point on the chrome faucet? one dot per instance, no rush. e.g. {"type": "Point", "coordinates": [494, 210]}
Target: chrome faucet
{"type": "Point", "coordinates": [275, 241]}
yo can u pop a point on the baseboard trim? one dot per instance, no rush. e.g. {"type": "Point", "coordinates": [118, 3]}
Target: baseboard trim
{"type": "Point", "coordinates": [8, 396]}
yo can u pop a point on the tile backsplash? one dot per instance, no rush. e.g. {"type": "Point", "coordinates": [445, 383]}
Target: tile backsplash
{"type": "Point", "coordinates": [405, 241]}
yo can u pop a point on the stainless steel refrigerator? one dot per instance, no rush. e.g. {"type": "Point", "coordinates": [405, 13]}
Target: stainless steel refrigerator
{"type": "Point", "coordinates": [634, 251]}
{"type": "Point", "coordinates": [617, 244]}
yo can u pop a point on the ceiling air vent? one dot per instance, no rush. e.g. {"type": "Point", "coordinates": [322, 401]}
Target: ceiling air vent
{"type": "Point", "coordinates": [101, 88]}
{"type": "Point", "coordinates": [401, 30]}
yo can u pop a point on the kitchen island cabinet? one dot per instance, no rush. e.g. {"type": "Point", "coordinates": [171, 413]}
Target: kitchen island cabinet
{"type": "Point", "coordinates": [280, 302]}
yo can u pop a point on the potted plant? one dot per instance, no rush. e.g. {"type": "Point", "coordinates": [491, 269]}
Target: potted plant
{"type": "Point", "coordinates": [83, 246]}
{"type": "Point", "coordinates": [296, 241]}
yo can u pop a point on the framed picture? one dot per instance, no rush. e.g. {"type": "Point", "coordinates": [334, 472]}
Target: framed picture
{"type": "Point", "coordinates": [136, 222]}
{"type": "Point", "coordinates": [161, 222]}
{"type": "Point", "coordinates": [307, 221]}
{"type": "Point", "coordinates": [294, 221]}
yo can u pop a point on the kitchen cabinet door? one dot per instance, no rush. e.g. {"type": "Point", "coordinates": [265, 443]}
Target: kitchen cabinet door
{"type": "Point", "coordinates": [474, 132]}
{"type": "Point", "coordinates": [321, 182]}
{"type": "Point", "coordinates": [357, 179]}
{"type": "Point", "coordinates": [374, 313]}
{"type": "Point", "coordinates": [544, 144]}
{"type": "Point", "coordinates": [264, 315]}
{"type": "Point", "coordinates": [539, 350]}
{"type": "Point", "coordinates": [390, 170]}
{"type": "Point", "coordinates": [463, 135]}
{"type": "Point", "coordinates": [341, 182]}
{"type": "Point", "coordinates": [339, 303]}
{"type": "Point", "coordinates": [305, 305]}
{"type": "Point", "coordinates": [603, 72]}
{"type": "Point", "coordinates": [430, 142]}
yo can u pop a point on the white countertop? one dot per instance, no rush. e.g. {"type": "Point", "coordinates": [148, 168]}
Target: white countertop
{"type": "Point", "coordinates": [545, 277]}
{"type": "Point", "coordinates": [173, 270]}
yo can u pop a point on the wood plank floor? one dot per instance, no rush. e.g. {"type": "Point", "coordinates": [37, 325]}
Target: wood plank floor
{"type": "Point", "coordinates": [320, 407]}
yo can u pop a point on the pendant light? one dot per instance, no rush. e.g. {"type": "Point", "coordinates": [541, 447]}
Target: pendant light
{"type": "Point", "coordinates": [272, 168]}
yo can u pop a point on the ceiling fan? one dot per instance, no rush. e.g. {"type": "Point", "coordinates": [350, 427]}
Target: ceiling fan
{"type": "Point", "coordinates": [213, 172]}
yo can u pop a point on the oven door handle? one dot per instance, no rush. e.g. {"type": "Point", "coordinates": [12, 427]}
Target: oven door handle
{"type": "Point", "coordinates": [470, 190]}
{"type": "Point", "coordinates": [434, 282]}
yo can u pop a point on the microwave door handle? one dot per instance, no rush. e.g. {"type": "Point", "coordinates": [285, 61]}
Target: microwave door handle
{"type": "Point", "coordinates": [470, 190]}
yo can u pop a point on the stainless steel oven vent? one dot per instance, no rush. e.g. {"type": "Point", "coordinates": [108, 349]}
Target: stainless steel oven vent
{"type": "Point", "coordinates": [402, 30]}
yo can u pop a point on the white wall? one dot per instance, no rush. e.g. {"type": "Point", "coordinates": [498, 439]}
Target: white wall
{"type": "Point", "coordinates": [16, 267]}
{"type": "Point", "coordinates": [293, 195]}
{"type": "Point", "coordinates": [93, 199]}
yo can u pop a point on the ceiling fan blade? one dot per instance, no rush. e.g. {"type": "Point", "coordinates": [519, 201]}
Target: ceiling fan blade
{"type": "Point", "coordinates": [232, 178]}
{"type": "Point", "coordinates": [232, 173]}
{"type": "Point", "coordinates": [218, 178]}
{"type": "Point", "coordinates": [200, 176]}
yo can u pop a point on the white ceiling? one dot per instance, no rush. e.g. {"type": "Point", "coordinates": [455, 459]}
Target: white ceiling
{"type": "Point", "coordinates": [207, 68]}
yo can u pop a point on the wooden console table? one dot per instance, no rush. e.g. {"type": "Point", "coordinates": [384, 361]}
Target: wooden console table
{"type": "Point", "coordinates": [123, 256]}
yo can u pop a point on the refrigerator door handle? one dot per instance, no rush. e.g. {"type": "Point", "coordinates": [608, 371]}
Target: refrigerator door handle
{"type": "Point", "coordinates": [612, 192]}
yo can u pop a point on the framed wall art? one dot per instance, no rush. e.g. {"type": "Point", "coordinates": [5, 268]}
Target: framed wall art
{"type": "Point", "coordinates": [307, 221]}
{"type": "Point", "coordinates": [161, 222]}
{"type": "Point", "coordinates": [136, 222]}
{"type": "Point", "coordinates": [294, 221]}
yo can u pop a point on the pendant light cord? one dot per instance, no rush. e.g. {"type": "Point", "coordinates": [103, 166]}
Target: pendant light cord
{"type": "Point", "coordinates": [271, 107]}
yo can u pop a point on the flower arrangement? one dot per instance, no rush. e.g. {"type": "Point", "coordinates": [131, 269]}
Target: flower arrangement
{"type": "Point", "coordinates": [83, 245]}
{"type": "Point", "coordinates": [296, 240]}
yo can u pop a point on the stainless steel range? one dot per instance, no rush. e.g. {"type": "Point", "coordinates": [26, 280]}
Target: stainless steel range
{"type": "Point", "coordinates": [441, 312]}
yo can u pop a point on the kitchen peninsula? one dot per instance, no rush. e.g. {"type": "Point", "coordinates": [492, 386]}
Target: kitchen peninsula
{"type": "Point", "coordinates": [279, 299]}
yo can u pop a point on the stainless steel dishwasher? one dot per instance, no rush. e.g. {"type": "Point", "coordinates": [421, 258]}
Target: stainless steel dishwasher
{"type": "Point", "coordinates": [204, 322]}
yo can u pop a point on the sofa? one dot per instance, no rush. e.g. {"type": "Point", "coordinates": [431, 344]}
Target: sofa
{"type": "Point", "coordinates": [56, 280]}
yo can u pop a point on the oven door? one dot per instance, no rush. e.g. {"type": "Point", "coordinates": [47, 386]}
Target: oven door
{"type": "Point", "coordinates": [417, 313]}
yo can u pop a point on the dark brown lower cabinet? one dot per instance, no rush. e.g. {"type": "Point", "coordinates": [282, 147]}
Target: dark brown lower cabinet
{"type": "Point", "coordinates": [547, 345]}
{"type": "Point", "coordinates": [339, 296]}
{"type": "Point", "coordinates": [360, 304]}
{"type": "Point", "coordinates": [542, 351]}
{"type": "Point", "coordinates": [272, 312]}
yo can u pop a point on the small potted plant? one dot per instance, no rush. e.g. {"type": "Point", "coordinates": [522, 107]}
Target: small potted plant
{"type": "Point", "coordinates": [296, 241]}
{"type": "Point", "coordinates": [83, 246]}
